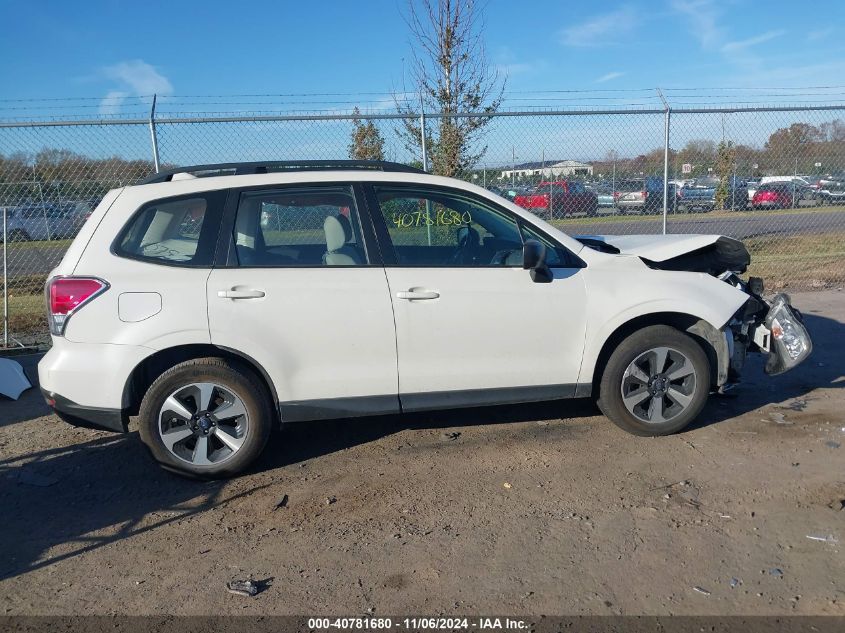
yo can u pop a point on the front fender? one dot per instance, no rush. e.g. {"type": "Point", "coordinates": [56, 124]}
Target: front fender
{"type": "Point", "coordinates": [616, 298]}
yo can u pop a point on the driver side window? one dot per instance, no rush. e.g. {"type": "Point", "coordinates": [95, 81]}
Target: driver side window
{"type": "Point", "coordinates": [439, 228]}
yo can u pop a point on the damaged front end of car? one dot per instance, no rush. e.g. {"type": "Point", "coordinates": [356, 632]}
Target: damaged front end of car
{"type": "Point", "coordinates": [769, 326]}
{"type": "Point", "coordinates": [773, 327]}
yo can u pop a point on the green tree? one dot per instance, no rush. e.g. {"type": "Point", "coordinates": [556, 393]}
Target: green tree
{"type": "Point", "coordinates": [791, 148]}
{"type": "Point", "coordinates": [725, 162]}
{"type": "Point", "coordinates": [451, 75]}
{"type": "Point", "coordinates": [367, 141]}
{"type": "Point", "coordinates": [700, 153]}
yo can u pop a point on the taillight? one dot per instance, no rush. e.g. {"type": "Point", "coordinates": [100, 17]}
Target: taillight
{"type": "Point", "coordinates": [644, 193]}
{"type": "Point", "coordinates": [65, 295]}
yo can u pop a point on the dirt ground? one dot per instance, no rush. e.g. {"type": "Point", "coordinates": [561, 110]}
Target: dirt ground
{"type": "Point", "coordinates": [533, 509]}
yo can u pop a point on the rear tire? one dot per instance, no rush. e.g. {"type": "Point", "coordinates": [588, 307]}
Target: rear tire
{"type": "Point", "coordinates": [655, 360]}
{"type": "Point", "coordinates": [215, 414]}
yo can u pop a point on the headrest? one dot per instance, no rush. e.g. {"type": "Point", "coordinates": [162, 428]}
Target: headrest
{"type": "Point", "coordinates": [337, 230]}
{"type": "Point", "coordinates": [468, 236]}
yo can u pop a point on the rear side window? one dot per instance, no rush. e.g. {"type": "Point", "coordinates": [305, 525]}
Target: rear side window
{"type": "Point", "coordinates": [175, 231]}
{"type": "Point", "coordinates": [313, 226]}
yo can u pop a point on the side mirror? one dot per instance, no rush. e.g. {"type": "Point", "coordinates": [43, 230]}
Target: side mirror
{"type": "Point", "coordinates": [533, 254]}
{"type": "Point", "coordinates": [534, 260]}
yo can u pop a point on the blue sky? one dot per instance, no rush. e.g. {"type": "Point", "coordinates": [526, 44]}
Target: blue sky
{"type": "Point", "coordinates": [103, 57]}
{"type": "Point", "coordinates": [112, 51]}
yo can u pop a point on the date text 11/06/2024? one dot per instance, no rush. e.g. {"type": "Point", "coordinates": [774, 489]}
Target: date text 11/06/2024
{"type": "Point", "coordinates": [418, 624]}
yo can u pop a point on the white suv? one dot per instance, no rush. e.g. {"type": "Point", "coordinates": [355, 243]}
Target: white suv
{"type": "Point", "coordinates": [217, 301]}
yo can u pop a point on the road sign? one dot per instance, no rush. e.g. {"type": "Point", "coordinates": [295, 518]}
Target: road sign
{"type": "Point", "coordinates": [755, 165]}
{"type": "Point", "coordinates": [818, 164]}
{"type": "Point", "coordinates": [686, 168]}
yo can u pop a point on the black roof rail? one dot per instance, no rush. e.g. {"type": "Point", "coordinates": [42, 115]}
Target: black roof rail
{"type": "Point", "coordinates": [265, 167]}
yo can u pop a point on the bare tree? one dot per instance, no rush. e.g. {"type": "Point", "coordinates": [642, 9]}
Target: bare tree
{"type": "Point", "coordinates": [451, 75]}
{"type": "Point", "coordinates": [367, 141]}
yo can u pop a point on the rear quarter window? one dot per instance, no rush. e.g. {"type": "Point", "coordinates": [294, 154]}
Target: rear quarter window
{"type": "Point", "coordinates": [179, 231]}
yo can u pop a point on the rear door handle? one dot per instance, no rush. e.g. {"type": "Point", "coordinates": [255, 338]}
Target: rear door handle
{"type": "Point", "coordinates": [240, 294]}
{"type": "Point", "coordinates": [413, 295]}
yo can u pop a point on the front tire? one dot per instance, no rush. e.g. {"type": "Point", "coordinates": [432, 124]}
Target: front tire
{"type": "Point", "coordinates": [655, 382]}
{"type": "Point", "coordinates": [206, 418]}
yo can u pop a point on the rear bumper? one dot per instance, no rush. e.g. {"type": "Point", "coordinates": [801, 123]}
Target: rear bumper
{"type": "Point", "coordinates": [90, 417]}
{"type": "Point", "coordinates": [92, 374]}
{"type": "Point", "coordinates": [630, 204]}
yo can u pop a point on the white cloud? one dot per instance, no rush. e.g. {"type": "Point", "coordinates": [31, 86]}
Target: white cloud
{"type": "Point", "coordinates": [508, 64]}
{"type": "Point", "coordinates": [112, 101]}
{"type": "Point", "coordinates": [609, 77]}
{"type": "Point", "coordinates": [601, 29]}
{"type": "Point", "coordinates": [821, 34]}
{"type": "Point", "coordinates": [703, 20]}
{"type": "Point", "coordinates": [134, 78]}
{"type": "Point", "coordinates": [752, 41]}
{"type": "Point", "coordinates": [140, 77]}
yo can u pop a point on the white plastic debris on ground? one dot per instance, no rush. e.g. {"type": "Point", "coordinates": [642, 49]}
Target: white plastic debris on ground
{"type": "Point", "coordinates": [13, 381]}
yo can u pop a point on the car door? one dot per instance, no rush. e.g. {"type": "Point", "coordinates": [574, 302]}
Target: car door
{"type": "Point", "coordinates": [471, 325]}
{"type": "Point", "coordinates": [304, 295]}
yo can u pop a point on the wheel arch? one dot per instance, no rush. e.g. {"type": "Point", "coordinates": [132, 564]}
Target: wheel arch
{"type": "Point", "coordinates": [145, 373]}
{"type": "Point", "coordinates": [711, 339]}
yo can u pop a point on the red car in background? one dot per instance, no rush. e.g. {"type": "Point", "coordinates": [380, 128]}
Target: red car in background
{"type": "Point", "coordinates": [558, 199]}
{"type": "Point", "coordinates": [783, 195]}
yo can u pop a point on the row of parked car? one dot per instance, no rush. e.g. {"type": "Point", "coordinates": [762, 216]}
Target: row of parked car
{"type": "Point", "coordinates": [562, 198]}
{"type": "Point", "coordinates": [45, 220]}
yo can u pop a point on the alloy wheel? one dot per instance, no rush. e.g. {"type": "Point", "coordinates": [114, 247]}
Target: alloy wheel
{"type": "Point", "coordinates": [203, 423]}
{"type": "Point", "coordinates": [658, 385]}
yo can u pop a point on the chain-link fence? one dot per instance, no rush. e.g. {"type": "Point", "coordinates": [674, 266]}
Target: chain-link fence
{"type": "Point", "coordinates": [772, 176]}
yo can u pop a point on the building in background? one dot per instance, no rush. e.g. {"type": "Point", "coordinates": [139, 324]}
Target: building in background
{"type": "Point", "coordinates": [564, 168]}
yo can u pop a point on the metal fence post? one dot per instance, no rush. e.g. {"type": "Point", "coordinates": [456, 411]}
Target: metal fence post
{"type": "Point", "coordinates": [425, 167]}
{"type": "Point", "coordinates": [422, 136]}
{"type": "Point", "coordinates": [665, 158]}
{"type": "Point", "coordinates": [153, 136]}
{"type": "Point", "coordinates": [5, 285]}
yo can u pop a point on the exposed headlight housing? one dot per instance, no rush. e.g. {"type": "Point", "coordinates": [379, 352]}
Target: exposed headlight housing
{"type": "Point", "coordinates": [790, 342]}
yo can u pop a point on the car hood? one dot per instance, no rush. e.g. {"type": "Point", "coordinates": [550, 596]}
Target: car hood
{"type": "Point", "coordinates": [713, 254]}
{"type": "Point", "coordinates": [656, 248]}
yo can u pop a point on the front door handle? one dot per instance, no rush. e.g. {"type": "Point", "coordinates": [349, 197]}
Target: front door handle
{"type": "Point", "coordinates": [413, 295]}
{"type": "Point", "coordinates": [240, 294]}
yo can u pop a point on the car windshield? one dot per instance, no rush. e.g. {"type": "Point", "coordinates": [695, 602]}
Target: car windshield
{"type": "Point", "coordinates": [630, 185]}
{"type": "Point", "coordinates": [706, 183]}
